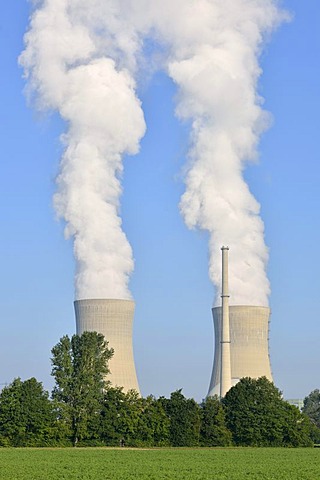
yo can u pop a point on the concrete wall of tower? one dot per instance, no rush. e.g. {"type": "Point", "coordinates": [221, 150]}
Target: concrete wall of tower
{"type": "Point", "coordinates": [114, 319]}
{"type": "Point", "coordinates": [249, 347]}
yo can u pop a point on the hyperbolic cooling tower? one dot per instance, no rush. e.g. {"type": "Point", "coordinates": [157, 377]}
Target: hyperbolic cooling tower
{"type": "Point", "coordinates": [114, 319]}
{"type": "Point", "coordinates": [249, 353]}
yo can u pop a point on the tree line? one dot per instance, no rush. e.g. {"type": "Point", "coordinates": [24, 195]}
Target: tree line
{"type": "Point", "coordinates": [84, 409]}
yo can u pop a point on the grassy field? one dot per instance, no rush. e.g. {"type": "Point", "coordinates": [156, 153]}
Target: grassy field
{"type": "Point", "coordinates": [158, 464]}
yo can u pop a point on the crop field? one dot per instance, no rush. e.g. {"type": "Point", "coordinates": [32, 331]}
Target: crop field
{"type": "Point", "coordinates": [158, 464]}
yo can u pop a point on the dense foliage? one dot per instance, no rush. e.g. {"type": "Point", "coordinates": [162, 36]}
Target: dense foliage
{"type": "Point", "coordinates": [184, 416]}
{"type": "Point", "coordinates": [26, 415]}
{"type": "Point", "coordinates": [85, 410]}
{"type": "Point", "coordinates": [257, 415]}
{"type": "Point", "coordinates": [79, 368]}
{"type": "Point", "coordinates": [311, 408]}
{"type": "Point", "coordinates": [213, 430]}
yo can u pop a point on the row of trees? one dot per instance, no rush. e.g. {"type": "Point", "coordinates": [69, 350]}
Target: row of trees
{"type": "Point", "coordinates": [85, 410]}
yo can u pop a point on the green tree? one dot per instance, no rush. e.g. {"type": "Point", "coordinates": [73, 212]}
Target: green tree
{"type": "Point", "coordinates": [257, 415]}
{"type": "Point", "coordinates": [297, 427]}
{"type": "Point", "coordinates": [132, 420]}
{"type": "Point", "coordinates": [113, 423]}
{"type": "Point", "coordinates": [154, 424]}
{"type": "Point", "coordinates": [311, 407]}
{"type": "Point", "coordinates": [213, 430]}
{"type": "Point", "coordinates": [184, 416]}
{"type": "Point", "coordinates": [79, 368]}
{"type": "Point", "coordinates": [26, 414]}
{"type": "Point", "coordinates": [120, 416]}
{"type": "Point", "coordinates": [129, 417]}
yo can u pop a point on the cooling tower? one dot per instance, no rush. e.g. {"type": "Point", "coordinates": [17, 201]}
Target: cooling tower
{"type": "Point", "coordinates": [249, 332]}
{"type": "Point", "coordinates": [114, 319]}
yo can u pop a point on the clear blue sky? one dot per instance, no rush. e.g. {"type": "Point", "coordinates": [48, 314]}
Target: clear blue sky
{"type": "Point", "coordinates": [173, 333]}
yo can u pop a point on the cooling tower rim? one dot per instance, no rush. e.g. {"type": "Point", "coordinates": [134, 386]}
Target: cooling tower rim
{"type": "Point", "coordinates": [242, 307]}
{"type": "Point", "coordinates": [102, 300]}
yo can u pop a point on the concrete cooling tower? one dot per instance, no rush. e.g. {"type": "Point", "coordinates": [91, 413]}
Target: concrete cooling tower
{"type": "Point", "coordinates": [114, 319]}
{"type": "Point", "coordinates": [249, 353]}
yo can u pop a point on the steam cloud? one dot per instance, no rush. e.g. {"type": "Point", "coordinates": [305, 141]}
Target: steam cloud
{"type": "Point", "coordinates": [83, 57]}
{"type": "Point", "coordinates": [71, 69]}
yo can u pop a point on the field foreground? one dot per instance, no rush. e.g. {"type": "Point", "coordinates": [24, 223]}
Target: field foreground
{"type": "Point", "coordinates": [158, 464]}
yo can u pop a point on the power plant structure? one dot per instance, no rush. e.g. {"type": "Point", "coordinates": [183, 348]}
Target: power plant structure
{"type": "Point", "coordinates": [114, 319]}
{"type": "Point", "coordinates": [225, 364]}
{"type": "Point", "coordinates": [241, 340]}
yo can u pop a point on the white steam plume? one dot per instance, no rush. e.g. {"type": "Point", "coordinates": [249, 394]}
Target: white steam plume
{"type": "Point", "coordinates": [82, 57]}
{"type": "Point", "coordinates": [214, 49]}
{"type": "Point", "coordinates": [72, 66]}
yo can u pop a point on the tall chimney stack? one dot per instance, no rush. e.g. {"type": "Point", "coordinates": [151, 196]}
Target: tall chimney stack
{"type": "Point", "coordinates": [225, 375]}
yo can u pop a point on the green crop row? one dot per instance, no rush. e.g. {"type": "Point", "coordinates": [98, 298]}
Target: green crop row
{"type": "Point", "coordinates": [160, 464]}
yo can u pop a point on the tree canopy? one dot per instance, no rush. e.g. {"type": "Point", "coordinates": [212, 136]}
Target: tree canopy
{"type": "Point", "coordinates": [257, 415]}
{"type": "Point", "coordinates": [184, 416]}
{"type": "Point", "coordinates": [26, 414]}
{"type": "Point", "coordinates": [85, 409]}
{"type": "Point", "coordinates": [134, 421]}
{"type": "Point", "coordinates": [311, 406]}
{"type": "Point", "coordinates": [80, 365]}
{"type": "Point", "coordinates": [213, 430]}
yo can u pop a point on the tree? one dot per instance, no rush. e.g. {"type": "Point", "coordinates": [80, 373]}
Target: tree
{"type": "Point", "coordinates": [112, 426]}
{"type": "Point", "coordinates": [311, 407]}
{"type": "Point", "coordinates": [297, 427]}
{"type": "Point", "coordinates": [154, 424]}
{"type": "Point", "coordinates": [132, 420]}
{"type": "Point", "coordinates": [26, 414]}
{"type": "Point", "coordinates": [120, 416]}
{"type": "Point", "coordinates": [184, 416]}
{"type": "Point", "coordinates": [257, 415]}
{"type": "Point", "coordinates": [213, 430]}
{"type": "Point", "coordinates": [79, 368]}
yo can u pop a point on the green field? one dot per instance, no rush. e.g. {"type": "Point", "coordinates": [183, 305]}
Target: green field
{"type": "Point", "coordinates": [158, 464]}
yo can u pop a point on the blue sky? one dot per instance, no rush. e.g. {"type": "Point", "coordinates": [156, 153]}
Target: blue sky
{"type": "Point", "coordinates": [173, 333]}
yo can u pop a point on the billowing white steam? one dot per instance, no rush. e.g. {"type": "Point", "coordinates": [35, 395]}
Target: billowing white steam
{"type": "Point", "coordinates": [214, 61]}
{"type": "Point", "coordinates": [68, 67]}
{"type": "Point", "coordinates": [82, 57]}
